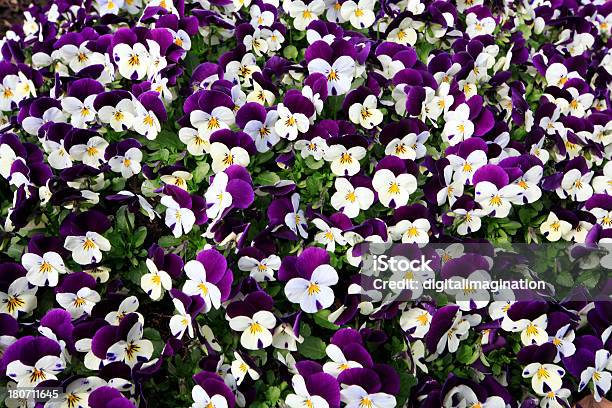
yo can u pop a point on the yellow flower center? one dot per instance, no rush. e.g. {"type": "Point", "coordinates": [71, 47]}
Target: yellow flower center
{"type": "Point", "coordinates": [79, 302]}
{"type": "Point", "coordinates": [400, 148]}
{"type": "Point", "coordinates": [532, 330]}
{"type": "Point", "coordinates": [213, 123]}
{"type": "Point", "coordinates": [365, 113]}
{"type": "Point", "coordinates": [313, 289]}
{"type": "Point", "coordinates": [366, 403]}
{"type": "Point", "coordinates": [45, 267]}
{"type": "Point", "coordinates": [255, 328]}
{"type": "Point", "coordinates": [88, 244]}
{"type": "Point", "coordinates": [134, 60]}
{"type": "Point", "coordinates": [228, 160]}
{"type": "Point", "coordinates": [12, 303]}
{"type": "Point", "coordinates": [73, 400]}
{"type": "Point", "coordinates": [495, 201]}
{"type": "Point", "coordinates": [412, 232]}
{"type": "Point", "coordinates": [131, 350]}
{"type": "Point", "coordinates": [346, 158]}
{"type": "Point", "coordinates": [37, 375]}
{"type": "Point", "coordinates": [542, 373]}
{"type": "Point", "coordinates": [423, 319]}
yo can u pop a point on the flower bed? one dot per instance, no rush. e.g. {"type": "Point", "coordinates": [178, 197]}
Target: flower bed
{"type": "Point", "coordinates": [191, 193]}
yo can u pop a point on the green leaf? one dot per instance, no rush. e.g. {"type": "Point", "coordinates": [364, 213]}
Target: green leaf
{"type": "Point", "coordinates": [465, 354]}
{"type": "Point", "coordinates": [290, 52]}
{"type": "Point", "coordinates": [139, 236]}
{"type": "Point", "coordinates": [313, 348]}
{"type": "Point", "coordinates": [267, 178]}
{"type": "Point", "coordinates": [273, 395]}
{"type": "Point", "coordinates": [168, 139]}
{"type": "Point", "coordinates": [320, 318]}
{"type": "Point", "coordinates": [201, 171]}
{"type": "Point", "coordinates": [168, 241]}
{"type": "Point", "coordinates": [314, 164]}
{"type": "Point", "coordinates": [125, 219]}
{"type": "Point", "coordinates": [407, 381]}
{"type": "Point", "coordinates": [565, 279]}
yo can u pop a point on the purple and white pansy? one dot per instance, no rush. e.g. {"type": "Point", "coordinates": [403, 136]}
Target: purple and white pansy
{"type": "Point", "coordinates": [191, 190]}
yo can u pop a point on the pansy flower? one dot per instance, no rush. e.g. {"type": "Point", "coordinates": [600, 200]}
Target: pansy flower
{"type": "Point", "coordinates": [549, 375]}
{"type": "Point", "coordinates": [179, 210]}
{"type": "Point", "coordinates": [351, 200]}
{"type": "Point", "coordinates": [532, 329]}
{"type": "Point", "coordinates": [187, 308]}
{"type": "Point", "coordinates": [255, 329]}
{"type": "Point", "coordinates": [554, 228]}
{"type": "Point", "coordinates": [19, 298]}
{"type": "Point", "coordinates": [337, 65]}
{"type": "Point", "coordinates": [119, 116]}
{"type": "Point", "coordinates": [360, 15]}
{"type": "Point", "coordinates": [132, 348]}
{"type": "Point", "coordinates": [303, 14]}
{"type": "Point", "coordinates": [366, 114]}
{"type": "Point", "coordinates": [240, 369]}
{"type": "Point", "coordinates": [90, 153]}
{"type": "Point", "coordinates": [203, 400]}
{"type": "Point", "coordinates": [330, 235]}
{"type": "Point", "coordinates": [311, 287]}
{"type": "Point", "coordinates": [259, 124]}
{"type": "Point", "coordinates": [44, 369]}
{"type": "Point", "coordinates": [493, 192]}
{"type": "Point", "coordinates": [132, 60]}
{"type": "Point", "coordinates": [76, 294]}
{"type": "Point", "coordinates": [155, 281]}
{"type": "Point", "coordinates": [128, 305]}
{"type": "Point", "coordinates": [448, 328]}
{"type": "Point", "coordinates": [43, 270]}
{"type": "Point", "coordinates": [416, 322]}
{"type": "Point", "coordinates": [80, 101]}
{"type": "Point", "coordinates": [260, 269]}
{"type": "Point", "coordinates": [393, 185]}
{"type": "Point", "coordinates": [86, 245]}
{"type": "Point", "coordinates": [209, 278]}
{"type": "Point", "coordinates": [290, 123]}
{"type": "Point", "coordinates": [598, 375]}
{"type": "Point", "coordinates": [310, 391]}
{"type": "Point", "coordinates": [224, 156]}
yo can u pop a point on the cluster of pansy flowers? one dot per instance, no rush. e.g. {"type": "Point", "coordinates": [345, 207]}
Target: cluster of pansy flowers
{"type": "Point", "coordinates": [195, 178]}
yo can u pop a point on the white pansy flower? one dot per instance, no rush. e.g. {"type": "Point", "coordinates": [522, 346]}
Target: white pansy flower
{"type": "Point", "coordinates": [87, 249]}
{"type": "Point", "coordinates": [315, 293]}
{"type": "Point", "coordinates": [43, 270]}
{"type": "Point", "coordinates": [255, 330]}
{"type": "Point", "coordinates": [393, 191]}
{"type": "Point", "coordinates": [223, 157]}
{"type": "Point", "coordinates": [345, 162]}
{"type": "Point", "coordinates": [366, 114]}
{"type": "Point", "coordinates": [156, 281]}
